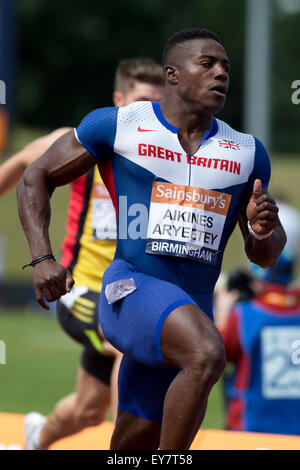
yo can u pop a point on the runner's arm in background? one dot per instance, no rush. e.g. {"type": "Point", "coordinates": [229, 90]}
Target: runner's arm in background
{"type": "Point", "coordinates": [12, 169]}
{"type": "Point", "coordinates": [63, 162]}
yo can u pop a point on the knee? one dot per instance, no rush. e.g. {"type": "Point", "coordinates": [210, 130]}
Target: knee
{"type": "Point", "coordinates": [208, 362]}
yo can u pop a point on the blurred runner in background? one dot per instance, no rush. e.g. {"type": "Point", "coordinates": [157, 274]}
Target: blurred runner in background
{"type": "Point", "coordinates": [259, 317]}
{"type": "Point", "coordinates": [87, 251]}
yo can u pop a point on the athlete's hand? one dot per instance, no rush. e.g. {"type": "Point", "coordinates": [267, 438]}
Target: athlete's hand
{"type": "Point", "coordinates": [262, 211]}
{"type": "Point", "coordinates": [51, 280]}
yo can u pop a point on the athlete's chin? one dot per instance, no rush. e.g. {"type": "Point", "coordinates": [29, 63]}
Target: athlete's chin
{"type": "Point", "coordinates": [215, 106]}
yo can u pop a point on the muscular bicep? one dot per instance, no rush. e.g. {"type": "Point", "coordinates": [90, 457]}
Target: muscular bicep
{"type": "Point", "coordinates": [64, 161]}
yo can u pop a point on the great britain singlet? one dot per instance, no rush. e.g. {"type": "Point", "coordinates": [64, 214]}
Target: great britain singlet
{"type": "Point", "coordinates": [175, 212]}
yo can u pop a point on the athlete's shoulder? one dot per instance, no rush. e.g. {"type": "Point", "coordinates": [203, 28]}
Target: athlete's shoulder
{"type": "Point", "coordinates": [97, 130]}
{"type": "Point", "coordinates": [225, 131]}
{"type": "Point", "coordinates": [137, 106]}
{"type": "Point", "coordinates": [139, 111]}
{"type": "Point", "coordinates": [99, 117]}
{"type": "Point", "coordinates": [245, 140]}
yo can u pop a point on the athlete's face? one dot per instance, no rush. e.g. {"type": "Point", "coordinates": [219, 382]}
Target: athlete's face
{"type": "Point", "coordinates": [140, 92]}
{"type": "Point", "coordinates": [201, 74]}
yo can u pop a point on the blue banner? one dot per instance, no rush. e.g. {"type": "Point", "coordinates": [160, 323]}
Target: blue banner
{"type": "Point", "coordinates": [7, 67]}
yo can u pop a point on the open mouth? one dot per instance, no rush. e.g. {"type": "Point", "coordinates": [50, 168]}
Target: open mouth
{"type": "Point", "coordinates": [219, 90]}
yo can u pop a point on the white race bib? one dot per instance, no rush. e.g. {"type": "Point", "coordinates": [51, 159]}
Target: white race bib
{"type": "Point", "coordinates": [103, 214]}
{"type": "Point", "coordinates": [280, 368]}
{"type": "Point", "coordinates": [186, 221]}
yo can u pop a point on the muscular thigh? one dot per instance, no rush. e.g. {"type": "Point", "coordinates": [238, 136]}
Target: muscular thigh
{"type": "Point", "coordinates": [186, 332]}
{"type": "Point", "coordinates": [133, 323]}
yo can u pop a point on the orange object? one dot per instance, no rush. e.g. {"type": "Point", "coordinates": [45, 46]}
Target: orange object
{"type": "Point", "coordinates": [98, 438]}
{"type": "Point", "coordinates": [232, 440]}
{"type": "Point", "coordinates": [93, 438]}
{"type": "Point", "coordinates": [4, 126]}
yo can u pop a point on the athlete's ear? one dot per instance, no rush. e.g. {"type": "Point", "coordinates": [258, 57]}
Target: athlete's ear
{"type": "Point", "coordinates": [171, 74]}
{"type": "Point", "coordinates": [118, 98]}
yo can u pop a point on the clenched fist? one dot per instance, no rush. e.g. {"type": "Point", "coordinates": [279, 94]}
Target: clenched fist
{"type": "Point", "coordinates": [262, 211]}
{"type": "Point", "coordinates": [50, 280]}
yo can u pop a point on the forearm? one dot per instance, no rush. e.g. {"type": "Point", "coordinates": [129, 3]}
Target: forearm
{"type": "Point", "coordinates": [34, 192]}
{"type": "Point", "coordinates": [266, 252]}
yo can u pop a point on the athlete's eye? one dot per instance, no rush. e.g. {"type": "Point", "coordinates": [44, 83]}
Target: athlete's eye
{"type": "Point", "coordinates": [206, 64]}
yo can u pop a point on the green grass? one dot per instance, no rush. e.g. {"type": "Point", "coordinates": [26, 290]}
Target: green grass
{"type": "Point", "coordinates": [41, 365]}
{"type": "Point", "coordinates": [41, 362]}
{"type": "Point", "coordinates": [17, 251]}
{"type": "Point", "coordinates": [214, 418]}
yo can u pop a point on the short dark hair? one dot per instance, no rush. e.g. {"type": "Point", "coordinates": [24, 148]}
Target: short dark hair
{"type": "Point", "coordinates": [187, 35]}
{"type": "Point", "coordinates": [143, 70]}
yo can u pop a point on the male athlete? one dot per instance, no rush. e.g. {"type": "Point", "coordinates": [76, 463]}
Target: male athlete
{"type": "Point", "coordinates": [88, 249]}
{"type": "Point", "coordinates": [179, 179]}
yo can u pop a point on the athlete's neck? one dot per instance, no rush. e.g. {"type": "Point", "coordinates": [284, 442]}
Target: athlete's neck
{"type": "Point", "coordinates": [191, 123]}
{"type": "Point", "coordinates": [183, 115]}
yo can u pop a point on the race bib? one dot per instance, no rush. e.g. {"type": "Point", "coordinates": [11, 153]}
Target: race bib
{"type": "Point", "coordinates": [103, 214]}
{"type": "Point", "coordinates": [186, 221]}
{"type": "Point", "coordinates": [280, 351]}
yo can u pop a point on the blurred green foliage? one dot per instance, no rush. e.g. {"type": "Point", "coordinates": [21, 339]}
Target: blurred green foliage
{"type": "Point", "coordinates": [68, 52]}
{"type": "Point", "coordinates": [286, 116]}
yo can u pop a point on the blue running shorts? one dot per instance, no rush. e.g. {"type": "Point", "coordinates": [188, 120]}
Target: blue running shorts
{"type": "Point", "coordinates": [142, 388]}
{"type": "Point", "coordinates": [133, 324]}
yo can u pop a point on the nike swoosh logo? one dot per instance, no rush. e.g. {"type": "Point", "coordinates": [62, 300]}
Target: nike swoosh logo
{"type": "Point", "coordinates": [146, 130]}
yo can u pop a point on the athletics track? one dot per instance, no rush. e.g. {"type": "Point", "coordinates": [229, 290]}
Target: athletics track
{"type": "Point", "coordinates": [98, 438]}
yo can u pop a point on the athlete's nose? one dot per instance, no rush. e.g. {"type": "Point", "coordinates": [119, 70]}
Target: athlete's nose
{"type": "Point", "coordinates": [220, 72]}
